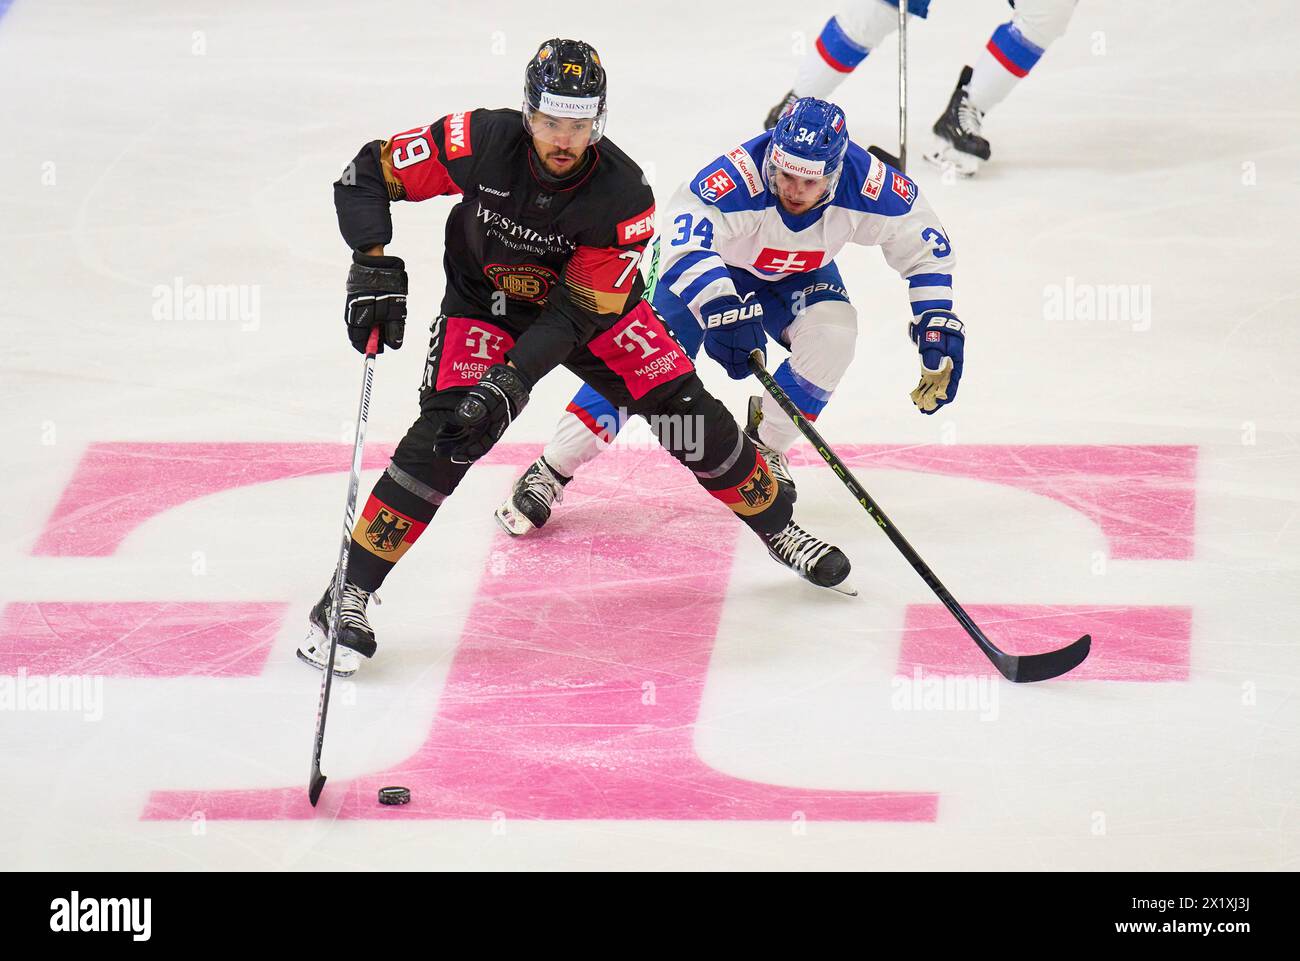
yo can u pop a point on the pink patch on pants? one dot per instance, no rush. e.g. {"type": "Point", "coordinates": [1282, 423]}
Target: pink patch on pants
{"type": "Point", "coordinates": [469, 348]}
{"type": "Point", "coordinates": [641, 351]}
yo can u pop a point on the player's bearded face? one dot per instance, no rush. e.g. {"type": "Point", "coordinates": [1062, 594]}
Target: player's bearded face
{"type": "Point", "coordinates": [559, 141]}
{"type": "Point", "coordinates": [798, 194]}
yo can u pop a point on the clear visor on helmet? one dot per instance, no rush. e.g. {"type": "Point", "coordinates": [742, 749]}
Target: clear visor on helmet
{"type": "Point", "coordinates": [565, 122]}
{"type": "Point", "coordinates": [800, 183]}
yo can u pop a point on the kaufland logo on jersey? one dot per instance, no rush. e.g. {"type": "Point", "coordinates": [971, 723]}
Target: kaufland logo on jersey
{"type": "Point", "coordinates": [797, 165]}
{"type": "Point", "coordinates": [875, 180]}
{"type": "Point", "coordinates": [456, 135]}
{"type": "Point", "coordinates": [716, 186]}
{"type": "Point", "coordinates": [748, 170]}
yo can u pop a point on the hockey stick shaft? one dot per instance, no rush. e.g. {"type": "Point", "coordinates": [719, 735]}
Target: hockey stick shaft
{"type": "Point", "coordinates": [902, 85]}
{"type": "Point", "coordinates": [317, 782]}
{"type": "Point", "coordinates": [1034, 667]}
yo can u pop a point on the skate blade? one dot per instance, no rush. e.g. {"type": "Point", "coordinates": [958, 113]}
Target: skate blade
{"type": "Point", "coordinates": [843, 587]}
{"type": "Point", "coordinates": [946, 157]}
{"type": "Point", "coordinates": [316, 638]}
{"type": "Point", "coordinates": [514, 524]}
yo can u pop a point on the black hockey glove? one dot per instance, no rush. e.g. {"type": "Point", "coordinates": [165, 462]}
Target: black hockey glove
{"type": "Point", "coordinates": [376, 295]}
{"type": "Point", "coordinates": [483, 415]}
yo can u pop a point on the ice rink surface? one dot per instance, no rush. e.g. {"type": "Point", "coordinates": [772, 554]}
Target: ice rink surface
{"type": "Point", "coordinates": [640, 686]}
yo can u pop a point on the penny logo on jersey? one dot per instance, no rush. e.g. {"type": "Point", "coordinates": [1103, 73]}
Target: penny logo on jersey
{"type": "Point", "coordinates": [716, 186]}
{"type": "Point", "coordinates": [530, 282]}
{"type": "Point", "coordinates": [773, 261]}
{"type": "Point", "coordinates": [455, 134]}
{"type": "Point", "coordinates": [640, 227]}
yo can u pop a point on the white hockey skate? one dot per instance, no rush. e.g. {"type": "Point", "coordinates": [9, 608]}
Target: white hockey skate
{"type": "Point", "coordinates": [530, 501]}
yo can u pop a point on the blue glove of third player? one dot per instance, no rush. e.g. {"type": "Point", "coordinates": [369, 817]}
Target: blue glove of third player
{"type": "Point", "coordinates": [733, 326]}
{"type": "Point", "coordinates": [941, 340]}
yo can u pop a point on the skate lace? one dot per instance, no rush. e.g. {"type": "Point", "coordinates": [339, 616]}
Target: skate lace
{"type": "Point", "coordinates": [777, 463]}
{"type": "Point", "coordinates": [969, 117]}
{"type": "Point", "coordinates": [798, 548]}
{"type": "Point", "coordinates": [352, 611]}
{"type": "Point", "coordinates": [539, 482]}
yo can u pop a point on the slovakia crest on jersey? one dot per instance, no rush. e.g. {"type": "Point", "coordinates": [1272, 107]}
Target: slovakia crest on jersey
{"type": "Point", "coordinates": [904, 188]}
{"type": "Point", "coordinates": [838, 123]}
{"type": "Point", "coordinates": [716, 185]}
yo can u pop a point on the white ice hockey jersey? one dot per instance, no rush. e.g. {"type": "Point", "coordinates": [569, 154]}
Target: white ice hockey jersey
{"type": "Point", "coordinates": [726, 217]}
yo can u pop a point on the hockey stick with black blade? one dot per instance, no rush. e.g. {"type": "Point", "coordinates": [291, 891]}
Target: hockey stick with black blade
{"type": "Point", "coordinates": [317, 782]}
{"type": "Point", "coordinates": [1019, 668]}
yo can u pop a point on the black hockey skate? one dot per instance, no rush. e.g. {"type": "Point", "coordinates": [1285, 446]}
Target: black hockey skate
{"type": "Point", "coordinates": [530, 502]}
{"type": "Point", "coordinates": [355, 633]}
{"type": "Point", "coordinates": [814, 560]}
{"type": "Point", "coordinates": [778, 464]}
{"type": "Point", "coordinates": [775, 113]}
{"type": "Point", "coordinates": [958, 141]}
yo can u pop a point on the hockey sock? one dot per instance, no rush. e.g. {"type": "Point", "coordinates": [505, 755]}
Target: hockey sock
{"type": "Point", "coordinates": [1007, 58]}
{"type": "Point", "coordinates": [588, 425]}
{"type": "Point", "coordinates": [393, 518]}
{"type": "Point", "coordinates": [843, 43]}
{"type": "Point", "coordinates": [756, 497]}
{"type": "Point", "coordinates": [777, 430]}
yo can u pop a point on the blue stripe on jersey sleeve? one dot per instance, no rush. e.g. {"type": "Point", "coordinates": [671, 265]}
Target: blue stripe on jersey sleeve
{"type": "Point", "coordinates": [699, 283]}
{"type": "Point", "coordinates": [683, 264]}
{"type": "Point", "coordinates": [930, 280]}
{"type": "Point", "coordinates": [921, 306]}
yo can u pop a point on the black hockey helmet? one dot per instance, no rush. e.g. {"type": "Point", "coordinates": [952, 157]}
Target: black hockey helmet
{"type": "Point", "coordinates": [565, 79]}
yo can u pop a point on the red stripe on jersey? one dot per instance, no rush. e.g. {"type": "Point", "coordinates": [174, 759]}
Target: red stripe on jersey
{"type": "Point", "coordinates": [413, 156]}
{"type": "Point", "coordinates": [601, 278]}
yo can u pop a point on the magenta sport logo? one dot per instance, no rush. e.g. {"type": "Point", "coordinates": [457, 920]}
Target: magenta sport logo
{"type": "Point", "coordinates": [590, 712]}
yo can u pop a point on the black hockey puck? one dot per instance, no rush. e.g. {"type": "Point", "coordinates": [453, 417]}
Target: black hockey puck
{"type": "Point", "coordinates": [394, 795]}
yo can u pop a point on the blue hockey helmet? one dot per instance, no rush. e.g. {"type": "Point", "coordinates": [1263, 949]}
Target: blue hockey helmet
{"type": "Point", "coordinates": [809, 140]}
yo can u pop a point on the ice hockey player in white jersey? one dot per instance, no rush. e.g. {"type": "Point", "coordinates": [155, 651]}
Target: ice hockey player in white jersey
{"type": "Point", "coordinates": [1011, 52]}
{"type": "Point", "coordinates": [747, 253]}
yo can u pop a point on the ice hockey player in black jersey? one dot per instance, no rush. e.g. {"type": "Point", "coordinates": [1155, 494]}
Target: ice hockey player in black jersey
{"type": "Point", "coordinates": [541, 261]}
